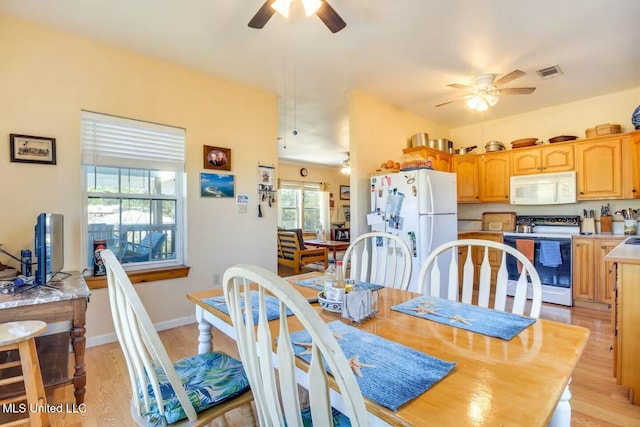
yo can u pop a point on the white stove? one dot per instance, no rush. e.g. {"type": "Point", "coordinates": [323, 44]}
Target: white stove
{"type": "Point", "coordinates": [551, 233]}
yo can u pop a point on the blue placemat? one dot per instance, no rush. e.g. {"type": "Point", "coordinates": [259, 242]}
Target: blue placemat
{"type": "Point", "coordinates": [482, 320]}
{"type": "Point", "coordinates": [316, 283]}
{"type": "Point", "coordinates": [388, 373]}
{"type": "Point", "coordinates": [272, 304]}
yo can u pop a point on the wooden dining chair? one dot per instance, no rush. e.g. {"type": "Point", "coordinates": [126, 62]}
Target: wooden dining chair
{"type": "Point", "coordinates": [276, 394]}
{"type": "Point", "coordinates": [379, 258]}
{"type": "Point", "coordinates": [192, 391]}
{"type": "Point", "coordinates": [465, 256]}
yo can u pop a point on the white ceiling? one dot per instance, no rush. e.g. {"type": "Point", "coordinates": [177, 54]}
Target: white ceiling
{"type": "Point", "coordinates": [402, 51]}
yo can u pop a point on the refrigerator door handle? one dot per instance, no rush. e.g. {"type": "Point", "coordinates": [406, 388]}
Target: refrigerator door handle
{"type": "Point", "coordinates": [430, 195]}
{"type": "Point", "coordinates": [430, 227]}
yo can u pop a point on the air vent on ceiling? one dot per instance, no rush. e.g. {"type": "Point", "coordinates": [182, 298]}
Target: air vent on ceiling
{"type": "Point", "coordinates": [549, 72]}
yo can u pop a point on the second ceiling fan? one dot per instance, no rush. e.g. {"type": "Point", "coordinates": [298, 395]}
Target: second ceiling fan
{"type": "Point", "coordinates": [485, 90]}
{"type": "Point", "coordinates": [325, 12]}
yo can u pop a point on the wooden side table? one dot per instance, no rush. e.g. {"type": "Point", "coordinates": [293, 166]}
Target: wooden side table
{"type": "Point", "coordinates": [63, 306]}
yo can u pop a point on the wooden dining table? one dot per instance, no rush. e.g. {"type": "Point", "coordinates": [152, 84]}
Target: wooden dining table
{"type": "Point", "coordinates": [334, 245]}
{"type": "Point", "coordinates": [519, 382]}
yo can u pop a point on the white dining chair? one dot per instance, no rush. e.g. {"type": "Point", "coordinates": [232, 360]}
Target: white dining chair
{"type": "Point", "coordinates": [379, 258]}
{"type": "Point", "coordinates": [193, 391]}
{"type": "Point", "coordinates": [430, 276]}
{"type": "Point", "coordinates": [276, 394]}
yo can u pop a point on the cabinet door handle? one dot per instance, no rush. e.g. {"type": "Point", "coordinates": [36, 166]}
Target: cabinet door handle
{"type": "Point", "coordinates": [582, 192]}
{"type": "Point", "coordinates": [610, 348]}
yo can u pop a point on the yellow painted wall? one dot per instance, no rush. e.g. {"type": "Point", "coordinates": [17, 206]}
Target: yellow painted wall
{"type": "Point", "coordinates": [329, 175]}
{"type": "Point", "coordinates": [378, 132]}
{"type": "Point", "coordinates": [48, 77]}
{"type": "Point", "coordinates": [566, 119]}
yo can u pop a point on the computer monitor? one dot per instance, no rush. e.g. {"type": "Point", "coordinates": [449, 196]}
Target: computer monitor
{"type": "Point", "coordinates": [49, 247]}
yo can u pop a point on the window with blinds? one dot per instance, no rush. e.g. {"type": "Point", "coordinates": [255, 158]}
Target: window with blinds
{"type": "Point", "coordinates": [134, 185]}
{"type": "Point", "coordinates": [301, 205]}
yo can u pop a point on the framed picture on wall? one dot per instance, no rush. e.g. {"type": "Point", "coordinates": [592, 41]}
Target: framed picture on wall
{"type": "Point", "coordinates": [216, 185]}
{"type": "Point", "coordinates": [217, 158]}
{"type": "Point", "coordinates": [347, 212]}
{"type": "Point", "coordinates": [32, 149]}
{"type": "Point", "coordinates": [345, 192]}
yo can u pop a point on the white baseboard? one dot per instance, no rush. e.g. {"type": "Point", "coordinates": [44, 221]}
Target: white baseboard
{"type": "Point", "coordinates": [173, 323]}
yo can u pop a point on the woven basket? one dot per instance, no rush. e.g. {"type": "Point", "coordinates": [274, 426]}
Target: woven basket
{"type": "Point", "coordinates": [602, 130]}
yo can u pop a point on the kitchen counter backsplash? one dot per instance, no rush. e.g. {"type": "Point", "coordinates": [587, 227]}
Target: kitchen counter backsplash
{"type": "Point", "coordinates": [470, 215]}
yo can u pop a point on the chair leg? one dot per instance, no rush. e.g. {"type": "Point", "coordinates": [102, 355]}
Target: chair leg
{"type": "Point", "coordinates": [33, 382]}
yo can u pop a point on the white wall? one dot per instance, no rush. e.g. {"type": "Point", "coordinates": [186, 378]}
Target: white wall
{"type": "Point", "coordinates": [48, 77]}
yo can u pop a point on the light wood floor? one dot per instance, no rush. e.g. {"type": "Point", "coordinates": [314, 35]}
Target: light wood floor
{"type": "Point", "coordinates": [596, 401]}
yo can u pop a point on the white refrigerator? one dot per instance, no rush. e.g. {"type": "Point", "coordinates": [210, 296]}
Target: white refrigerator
{"type": "Point", "coordinates": [421, 207]}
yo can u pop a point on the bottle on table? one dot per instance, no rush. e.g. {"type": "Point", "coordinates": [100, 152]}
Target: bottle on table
{"type": "Point", "coordinates": [329, 277]}
{"type": "Point", "coordinates": [338, 289]}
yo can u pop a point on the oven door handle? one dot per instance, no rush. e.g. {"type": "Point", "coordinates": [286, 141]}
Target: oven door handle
{"type": "Point", "coordinates": [555, 192]}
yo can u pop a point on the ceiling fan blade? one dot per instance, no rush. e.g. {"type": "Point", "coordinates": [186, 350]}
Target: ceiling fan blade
{"type": "Point", "coordinates": [517, 90]}
{"type": "Point", "coordinates": [330, 17]}
{"type": "Point", "coordinates": [509, 77]}
{"type": "Point", "coordinates": [462, 98]}
{"type": "Point", "coordinates": [459, 86]}
{"type": "Point", "coordinates": [263, 15]}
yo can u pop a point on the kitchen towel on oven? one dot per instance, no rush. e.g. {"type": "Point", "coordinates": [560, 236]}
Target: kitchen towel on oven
{"type": "Point", "coordinates": [527, 247]}
{"type": "Point", "coordinates": [550, 253]}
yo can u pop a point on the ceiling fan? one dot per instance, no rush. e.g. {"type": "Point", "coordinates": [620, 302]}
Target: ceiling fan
{"type": "Point", "coordinates": [485, 90]}
{"type": "Point", "coordinates": [325, 12]}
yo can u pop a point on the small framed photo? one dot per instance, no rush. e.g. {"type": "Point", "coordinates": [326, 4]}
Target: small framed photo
{"type": "Point", "coordinates": [242, 199]}
{"type": "Point", "coordinates": [217, 185]}
{"type": "Point", "coordinates": [345, 192]}
{"type": "Point", "coordinates": [217, 158]}
{"type": "Point", "coordinates": [266, 177]}
{"type": "Point", "coordinates": [32, 149]}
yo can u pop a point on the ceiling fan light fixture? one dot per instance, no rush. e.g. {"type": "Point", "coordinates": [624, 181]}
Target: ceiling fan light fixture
{"type": "Point", "coordinates": [478, 103]}
{"type": "Point", "coordinates": [282, 7]}
{"type": "Point", "coordinates": [346, 165]}
{"type": "Point", "coordinates": [311, 6]}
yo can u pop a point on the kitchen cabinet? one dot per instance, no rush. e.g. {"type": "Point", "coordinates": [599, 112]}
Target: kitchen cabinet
{"type": "Point", "coordinates": [635, 159]}
{"type": "Point", "coordinates": [494, 177]}
{"type": "Point", "coordinates": [601, 171]}
{"type": "Point", "coordinates": [478, 255]}
{"type": "Point", "coordinates": [440, 160]}
{"type": "Point", "coordinates": [626, 346]}
{"type": "Point", "coordinates": [543, 159]}
{"type": "Point", "coordinates": [583, 272]}
{"type": "Point", "coordinates": [593, 276]}
{"type": "Point", "coordinates": [467, 169]}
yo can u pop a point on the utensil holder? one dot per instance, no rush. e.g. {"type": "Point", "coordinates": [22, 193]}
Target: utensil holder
{"type": "Point", "coordinates": [606, 224]}
{"type": "Point", "coordinates": [630, 227]}
{"type": "Point", "coordinates": [588, 226]}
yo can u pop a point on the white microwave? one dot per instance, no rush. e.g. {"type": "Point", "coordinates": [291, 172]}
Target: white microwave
{"type": "Point", "coordinates": [544, 189]}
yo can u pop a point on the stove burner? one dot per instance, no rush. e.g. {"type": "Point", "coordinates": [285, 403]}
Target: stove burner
{"type": "Point", "coordinates": [551, 220]}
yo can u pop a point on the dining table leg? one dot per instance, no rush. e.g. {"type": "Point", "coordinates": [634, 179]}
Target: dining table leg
{"type": "Point", "coordinates": [561, 416]}
{"type": "Point", "coordinates": [204, 337]}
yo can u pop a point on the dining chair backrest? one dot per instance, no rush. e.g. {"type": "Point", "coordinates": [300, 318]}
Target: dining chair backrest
{"type": "Point", "coordinates": [160, 394]}
{"type": "Point", "coordinates": [276, 396]}
{"type": "Point", "coordinates": [379, 258]}
{"type": "Point", "coordinates": [477, 253]}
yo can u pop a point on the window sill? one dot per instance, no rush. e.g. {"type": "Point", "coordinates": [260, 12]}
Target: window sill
{"type": "Point", "coordinates": [142, 276]}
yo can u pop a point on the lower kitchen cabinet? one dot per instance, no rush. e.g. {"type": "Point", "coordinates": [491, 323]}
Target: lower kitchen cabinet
{"type": "Point", "coordinates": [626, 318]}
{"type": "Point", "coordinates": [593, 278]}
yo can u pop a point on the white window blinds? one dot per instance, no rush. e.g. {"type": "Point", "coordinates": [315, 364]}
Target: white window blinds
{"type": "Point", "coordinates": [115, 141]}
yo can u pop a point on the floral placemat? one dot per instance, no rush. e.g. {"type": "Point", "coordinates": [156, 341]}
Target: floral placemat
{"type": "Point", "coordinates": [482, 320]}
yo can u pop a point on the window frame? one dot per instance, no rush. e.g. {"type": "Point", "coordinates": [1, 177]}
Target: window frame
{"type": "Point", "coordinates": [301, 188]}
{"type": "Point", "coordinates": [122, 161]}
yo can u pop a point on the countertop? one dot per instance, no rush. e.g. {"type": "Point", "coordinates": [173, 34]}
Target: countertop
{"type": "Point", "coordinates": [624, 253]}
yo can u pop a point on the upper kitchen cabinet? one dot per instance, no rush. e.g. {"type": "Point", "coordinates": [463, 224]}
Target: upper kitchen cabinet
{"type": "Point", "coordinates": [603, 168]}
{"type": "Point", "coordinates": [467, 169]}
{"type": "Point", "coordinates": [545, 159]}
{"type": "Point", "coordinates": [440, 160]}
{"type": "Point", "coordinates": [494, 173]}
{"type": "Point", "coordinates": [635, 159]}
